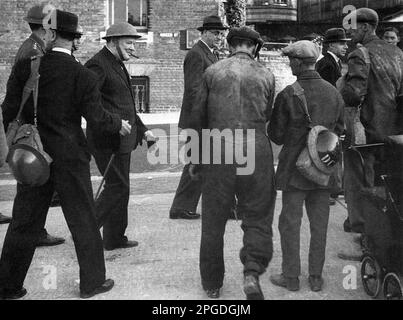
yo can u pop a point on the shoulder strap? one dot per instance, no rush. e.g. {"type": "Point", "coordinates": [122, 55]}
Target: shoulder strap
{"type": "Point", "coordinates": [299, 92]}
{"type": "Point", "coordinates": [31, 86]}
{"type": "Point", "coordinates": [367, 60]}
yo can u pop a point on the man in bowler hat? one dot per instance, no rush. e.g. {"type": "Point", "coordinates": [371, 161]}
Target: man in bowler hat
{"type": "Point", "coordinates": [330, 66]}
{"type": "Point", "coordinates": [67, 92]}
{"type": "Point", "coordinates": [197, 60]}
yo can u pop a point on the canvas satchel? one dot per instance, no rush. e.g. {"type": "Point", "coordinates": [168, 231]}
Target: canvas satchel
{"type": "Point", "coordinates": [17, 131]}
{"type": "Point", "coordinates": [304, 163]}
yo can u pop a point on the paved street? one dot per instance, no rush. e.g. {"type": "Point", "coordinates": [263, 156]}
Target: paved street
{"type": "Point", "coordinates": [165, 264]}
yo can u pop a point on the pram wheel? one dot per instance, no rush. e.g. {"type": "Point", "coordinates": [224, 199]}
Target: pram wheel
{"type": "Point", "coordinates": [392, 287]}
{"type": "Point", "coordinates": [371, 276]}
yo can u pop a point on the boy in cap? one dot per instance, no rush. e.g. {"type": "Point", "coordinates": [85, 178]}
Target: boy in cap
{"type": "Point", "coordinates": [289, 126]}
{"type": "Point", "coordinates": [373, 83]}
{"type": "Point", "coordinates": [247, 108]}
{"type": "Point", "coordinates": [66, 92]}
{"type": "Point", "coordinates": [35, 45]}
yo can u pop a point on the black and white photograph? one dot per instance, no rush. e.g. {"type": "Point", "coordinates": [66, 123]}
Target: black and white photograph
{"type": "Point", "coordinates": [201, 154]}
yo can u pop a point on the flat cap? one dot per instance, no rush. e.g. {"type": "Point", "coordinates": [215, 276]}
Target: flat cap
{"type": "Point", "coordinates": [244, 33]}
{"type": "Point", "coordinates": [367, 15]}
{"type": "Point", "coordinates": [303, 49]}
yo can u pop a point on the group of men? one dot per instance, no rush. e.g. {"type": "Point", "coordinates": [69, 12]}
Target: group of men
{"type": "Point", "coordinates": [235, 95]}
{"type": "Point", "coordinates": [101, 93]}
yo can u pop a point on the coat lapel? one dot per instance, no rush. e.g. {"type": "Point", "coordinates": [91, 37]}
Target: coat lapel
{"type": "Point", "coordinates": [210, 56]}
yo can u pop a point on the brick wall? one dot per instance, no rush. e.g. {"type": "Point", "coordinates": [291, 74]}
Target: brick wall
{"type": "Point", "coordinates": [161, 59]}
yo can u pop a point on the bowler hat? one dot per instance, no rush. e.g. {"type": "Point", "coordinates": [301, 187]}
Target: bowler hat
{"type": "Point", "coordinates": [335, 35]}
{"type": "Point", "coordinates": [244, 33]}
{"type": "Point", "coordinates": [367, 15]}
{"type": "Point", "coordinates": [212, 23]}
{"type": "Point", "coordinates": [65, 21]}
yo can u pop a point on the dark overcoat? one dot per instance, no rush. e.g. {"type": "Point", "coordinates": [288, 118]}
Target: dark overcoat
{"type": "Point", "coordinates": [197, 60]}
{"type": "Point", "coordinates": [117, 98]}
{"type": "Point", "coordinates": [328, 69]}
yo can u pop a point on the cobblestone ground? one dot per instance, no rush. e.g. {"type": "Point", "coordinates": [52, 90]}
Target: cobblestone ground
{"type": "Point", "coordinates": [165, 266]}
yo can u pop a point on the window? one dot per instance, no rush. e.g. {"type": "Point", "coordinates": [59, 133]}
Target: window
{"type": "Point", "coordinates": [141, 91]}
{"type": "Point", "coordinates": [133, 11]}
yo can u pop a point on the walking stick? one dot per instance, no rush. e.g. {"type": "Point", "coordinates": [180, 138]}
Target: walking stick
{"type": "Point", "coordinates": [103, 178]}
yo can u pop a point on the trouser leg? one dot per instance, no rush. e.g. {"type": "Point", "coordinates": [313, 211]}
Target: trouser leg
{"type": "Point", "coordinates": [73, 184]}
{"type": "Point", "coordinates": [317, 208]}
{"type": "Point", "coordinates": [256, 202]}
{"type": "Point", "coordinates": [290, 227]}
{"type": "Point", "coordinates": [218, 195]}
{"type": "Point", "coordinates": [188, 192]}
{"type": "Point", "coordinates": [29, 213]}
{"type": "Point", "coordinates": [112, 204]}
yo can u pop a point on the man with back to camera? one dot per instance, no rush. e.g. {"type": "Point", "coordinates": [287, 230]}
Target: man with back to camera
{"type": "Point", "coordinates": [67, 91]}
{"type": "Point", "coordinates": [33, 46]}
{"type": "Point", "coordinates": [236, 96]}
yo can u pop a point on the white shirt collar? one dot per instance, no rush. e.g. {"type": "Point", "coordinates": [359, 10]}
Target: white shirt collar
{"type": "Point", "coordinates": [212, 51]}
{"type": "Point", "coordinates": [64, 50]}
{"type": "Point", "coordinates": [334, 56]}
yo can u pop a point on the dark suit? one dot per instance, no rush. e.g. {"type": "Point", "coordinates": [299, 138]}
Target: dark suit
{"type": "Point", "coordinates": [67, 91]}
{"type": "Point", "coordinates": [196, 61]}
{"type": "Point", "coordinates": [117, 98]}
{"type": "Point", "coordinates": [329, 69]}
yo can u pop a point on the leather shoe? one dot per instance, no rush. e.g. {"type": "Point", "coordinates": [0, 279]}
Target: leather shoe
{"type": "Point", "coordinates": [4, 219]}
{"type": "Point", "coordinates": [183, 214]}
{"type": "Point", "coordinates": [290, 283]}
{"type": "Point", "coordinates": [350, 256]}
{"type": "Point", "coordinates": [105, 287]}
{"type": "Point", "coordinates": [123, 245]}
{"type": "Point", "coordinates": [6, 294]}
{"type": "Point", "coordinates": [213, 293]}
{"type": "Point", "coordinates": [46, 240]}
{"type": "Point", "coordinates": [252, 289]}
{"type": "Point", "coordinates": [315, 283]}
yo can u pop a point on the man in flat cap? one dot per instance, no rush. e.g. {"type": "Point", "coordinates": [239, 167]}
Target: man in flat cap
{"type": "Point", "coordinates": [309, 102]}
{"type": "Point", "coordinates": [66, 92]}
{"type": "Point", "coordinates": [35, 46]}
{"type": "Point", "coordinates": [236, 96]}
{"type": "Point", "coordinates": [197, 60]}
{"type": "Point", "coordinates": [373, 85]}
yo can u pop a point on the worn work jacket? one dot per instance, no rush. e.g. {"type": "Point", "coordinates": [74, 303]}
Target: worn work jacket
{"type": "Point", "coordinates": [289, 127]}
{"type": "Point", "coordinates": [380, 84]}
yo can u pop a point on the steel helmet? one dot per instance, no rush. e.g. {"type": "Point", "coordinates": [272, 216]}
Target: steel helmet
{"type": "Point", "coordinates": [324, 148]}
{"type": "Point", "coordinates": [38, 12]}
{"type": "Point", "coordinates": [121, 29]}
{"type": "Point", "coordinates": [28, 165]}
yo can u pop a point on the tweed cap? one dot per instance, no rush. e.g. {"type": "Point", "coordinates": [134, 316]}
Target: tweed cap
{"type": "Point", "coordinates": [303, 49]}
{"type": "Point", "coordinates": [244, 33]}
{"type": "Point", "coordinates": [367, 15]}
